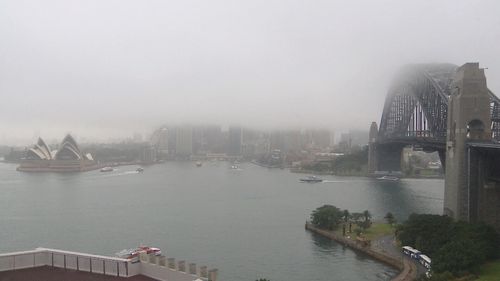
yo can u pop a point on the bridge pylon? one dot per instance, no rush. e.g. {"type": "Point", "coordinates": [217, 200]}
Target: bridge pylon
{"type": "Point", "coordinates": [468, 120]}
{"type": "Point", "coordinates": [372, 148]}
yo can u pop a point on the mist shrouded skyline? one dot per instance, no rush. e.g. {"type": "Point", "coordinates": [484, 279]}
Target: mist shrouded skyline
{"type": "Point", "coordinates": [104, 69]}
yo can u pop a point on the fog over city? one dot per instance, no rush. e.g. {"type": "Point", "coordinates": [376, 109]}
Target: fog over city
{"type": "Point", "coordinates": [107, 69]}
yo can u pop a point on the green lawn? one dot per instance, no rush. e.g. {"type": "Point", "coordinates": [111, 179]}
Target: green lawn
{"type": "Point", "coordinates": [378, 229]}
{"type": "Point", "coordinates": [375, 231]}
{"type": "Point", "coordinates": [490, 271]}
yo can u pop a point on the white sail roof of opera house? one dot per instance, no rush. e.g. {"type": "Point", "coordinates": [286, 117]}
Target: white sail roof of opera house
{"type": "Point", "coordinates": [40, 151]}
{"type": "Point", "coordinates": [68, 150]}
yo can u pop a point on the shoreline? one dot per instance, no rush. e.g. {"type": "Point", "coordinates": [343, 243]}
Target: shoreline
{"type": "Point", "coordinates": [77, 169]}
{"type": "Point", "coordinates": [407, 269]}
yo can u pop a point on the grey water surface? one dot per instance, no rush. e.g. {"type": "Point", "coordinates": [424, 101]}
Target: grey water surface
{"type": "Point", "coordinates": [248, 223]}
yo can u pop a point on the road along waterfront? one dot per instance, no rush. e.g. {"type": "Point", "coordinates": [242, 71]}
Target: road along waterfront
{"type": "Point", "coordinates": [248, 223]}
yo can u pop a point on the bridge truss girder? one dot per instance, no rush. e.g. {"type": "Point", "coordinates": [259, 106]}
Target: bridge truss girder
{"type": "Point", "coordinates": [416, 106]}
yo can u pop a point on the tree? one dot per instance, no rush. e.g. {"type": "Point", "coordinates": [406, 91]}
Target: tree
{"type": "Point", "coordinates": [445, 276]}
{"type": "Point", "coordinates": [430, 231]}
{"type": "Point", "coordinates": [354, 162]}
{"type": "Point", "coordinates": [389, 217]}
{"type": "Point", "coordinates": [367, 215]}
{"type": "Point", "coordinates": [484, 237]}
{"type": "Point", "coordinates": [327, 217]}
{"type": "Point", "coordinates": [458, 257]}
{"type": "Point", "coordinates": [356, 217]}
{"type": "Point", "coordinates": [346, 215]}
{"type": "Point", "coordinates": [455, 247]}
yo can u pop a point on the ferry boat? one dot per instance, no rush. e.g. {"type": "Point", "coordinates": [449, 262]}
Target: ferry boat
{"type": "Point", "coordinates": [311, 179]}
{"type": "Point", "coordinates": [106, 169]}
{"type": "Point", "coordinates": [133, 254]}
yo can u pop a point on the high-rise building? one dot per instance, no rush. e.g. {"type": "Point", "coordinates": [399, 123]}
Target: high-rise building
{"type": "Point", "coordinates": [214, 139]}
{"type": "Point", "coordinates": [292, 141]}
{"type": "Point", "coordinates": [277, 141]}
{"type": "Point", "coordinates": [199, 143]}
{"type": "Point", "coordinates": [184, 141]}
{"type": "Point", "coordinates": [234, 141]}
{"type": "Point", "coordinates": [159, 141]}
{"type": "Point", "coordinates": [358, 137]}
{"type": "Point", "coordinates": [321, 138]}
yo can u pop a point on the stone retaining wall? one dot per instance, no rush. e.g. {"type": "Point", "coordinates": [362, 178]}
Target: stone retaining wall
{"type": "Point", "coordinates": [408, 269]}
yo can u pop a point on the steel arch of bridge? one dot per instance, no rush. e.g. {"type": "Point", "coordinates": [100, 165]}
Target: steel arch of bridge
{"type": "Point", "coordinates": [416, 106]}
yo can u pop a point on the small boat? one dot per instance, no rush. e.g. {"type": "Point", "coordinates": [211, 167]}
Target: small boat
{"type": "Point", "coordinates": [198, 164]}
{"type": "Point", "coordinates": [139, 170]}
{"type": "Point", "coordinates": [311, 179]}
{"type": "Point", "coordinates": [388, 178]}
{"type": "Point", "coordinates": [107, 169]}
{"type": "Point", "coordinates": [133, 254]}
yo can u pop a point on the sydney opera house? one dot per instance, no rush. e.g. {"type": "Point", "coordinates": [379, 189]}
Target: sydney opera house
{"type": "Point", "coordinates": [68, 158]}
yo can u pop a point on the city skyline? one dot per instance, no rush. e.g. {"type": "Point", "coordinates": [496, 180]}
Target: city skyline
{"type": "Point", "coordinates": [148, 135]}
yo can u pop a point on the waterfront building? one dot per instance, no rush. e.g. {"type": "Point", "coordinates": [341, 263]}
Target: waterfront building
{"type": "Point", "coordinates": [68, 158]}
{"type": "Point", "coordinates": [15, 154]}
{"type": "Point", "coordinates": [159, 140]}
{"type": "Point", "coordinates": [148, 154]}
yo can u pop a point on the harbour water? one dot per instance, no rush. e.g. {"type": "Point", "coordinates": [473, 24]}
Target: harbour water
{"type": "Point", "coordinates": [249, 223]}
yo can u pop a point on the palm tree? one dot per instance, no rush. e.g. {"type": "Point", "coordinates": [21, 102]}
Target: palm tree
{"type": "Point", "coordinates": [389, 217]}
{"type": "Point", "coordinates": [367, 215]}
{"type": "Point", "coordinates": [346, 215]}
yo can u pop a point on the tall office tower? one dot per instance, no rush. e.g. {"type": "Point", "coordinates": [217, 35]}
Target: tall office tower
{"type": "Point", "coordinates": [184, 141]}
{"type": "Point", "coordinates": [234, 141]}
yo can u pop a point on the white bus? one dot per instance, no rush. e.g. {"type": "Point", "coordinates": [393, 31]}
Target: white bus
{"type": "Point", "coordinates": [425, 261]}
{"type": "Point", "coordinates": [409, 251]}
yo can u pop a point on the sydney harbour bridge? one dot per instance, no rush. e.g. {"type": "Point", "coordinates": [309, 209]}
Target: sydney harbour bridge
{"type": "Point", "coordinates": [447, 109]}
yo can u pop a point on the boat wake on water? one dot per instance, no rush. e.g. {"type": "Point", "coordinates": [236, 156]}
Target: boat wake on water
{"type": "Point", "coordinates": [120, 174]}
{"type": "Point", "coordinates": [342, 181]}
{"type": "Point", "coordinates": [327, 181]}
{"type": "Point", "coordinates": [128, 173]}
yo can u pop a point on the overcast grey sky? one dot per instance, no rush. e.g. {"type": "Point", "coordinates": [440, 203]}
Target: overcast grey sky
{"type": "Point", "coordinates": [105, 69]}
